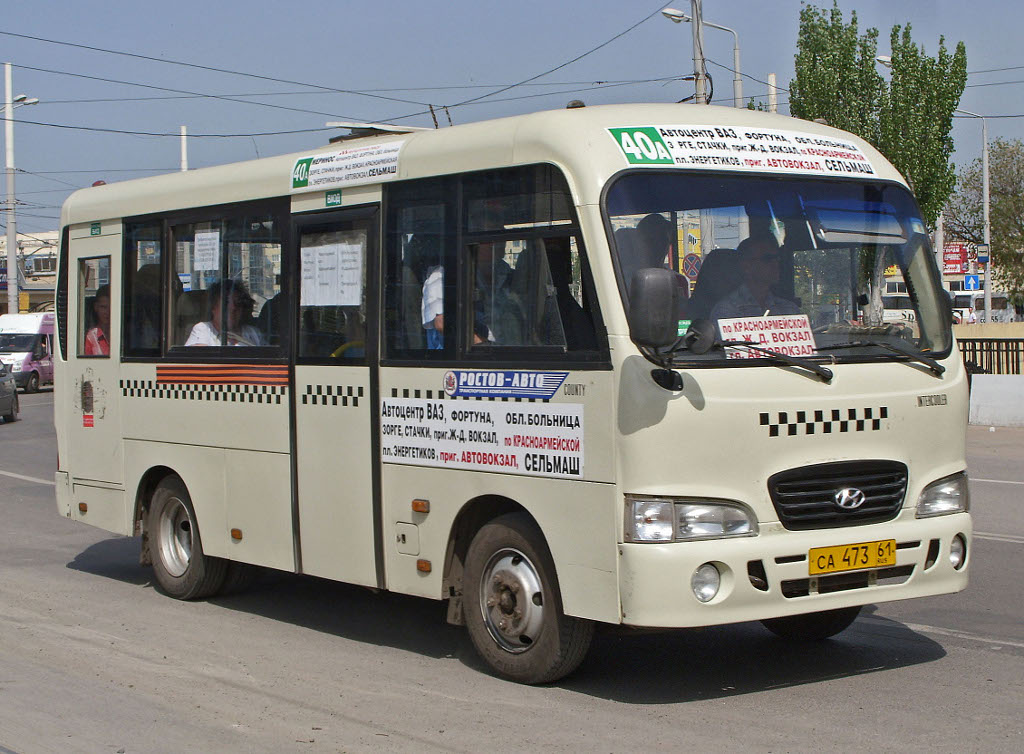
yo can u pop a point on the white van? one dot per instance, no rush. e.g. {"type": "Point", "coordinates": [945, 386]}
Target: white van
{"type": "Point", "coordinates": [26, 346]}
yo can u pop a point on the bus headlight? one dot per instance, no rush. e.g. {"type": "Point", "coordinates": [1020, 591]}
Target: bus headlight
{"type": "Point", "coordinates": [681, 520]}
{"type": "Point", "coordinates": [947, 495]}
{"type": "Point", "coordinates": [650, 521]}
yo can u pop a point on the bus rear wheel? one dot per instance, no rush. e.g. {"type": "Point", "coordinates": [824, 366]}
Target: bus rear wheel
{"type": "Point", "coordinates": [181, 568]}
{"type": "Point", "coordinates": [514, 607]}
{"type": "Point", "coordinates": [812, 626]}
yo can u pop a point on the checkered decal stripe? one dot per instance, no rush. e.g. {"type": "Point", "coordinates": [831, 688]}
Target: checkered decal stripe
{"type": "Point", "coordinates": [266, 394]}
{"type": "Point", "coordinates": [442, 395]}
{"type": "Point", "coordinates": [332, 395]}
{"type": "Point", "coordinates": [824, 422]}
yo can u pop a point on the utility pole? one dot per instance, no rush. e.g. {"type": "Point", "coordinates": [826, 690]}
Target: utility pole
{"type": "Point", "coordinates": [12, 232]}
{"type": "Point", "coordinates": [700, 71]}
{"type": "Point", "coordinates": [184, 148]}
{"type": "Point", "coordinates": [773, 94]}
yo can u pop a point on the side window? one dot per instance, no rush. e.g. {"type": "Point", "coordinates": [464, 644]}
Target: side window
{"type": "Point", "coordinates": [142, 285]}
{"type": "Point", "coordinates": [526, 263]}
{"type": "Point", "coordinates": [505, 268]}
{"type": "Point", "coordinates": [225, 288]}
{"type": "Point", "coordinates": [332, 294]}
{"type": "Point", "coordinates": [420, 274]}
{"type": "Point", "coordinates": [93, 308]}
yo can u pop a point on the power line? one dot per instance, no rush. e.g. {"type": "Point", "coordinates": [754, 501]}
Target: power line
{"type": "Point", "coordinates": [996, 70]}
{"type": "Point", "coordinates": [100, 100]}
{"type": "Point", "coordinates": [169, 61]}
{"type": "Point", "coordinates": [182, 91]}
{"type": "Point", "coordinates": [563, 65]}
{"type": "Point", "coordinates": [995, 83]}
{"type": "Point", "coordinates": [46, 177]}
{"type": "Point", "coordinates": [175, 135]}
{"type": "Point", "coordinates": [42, 173]}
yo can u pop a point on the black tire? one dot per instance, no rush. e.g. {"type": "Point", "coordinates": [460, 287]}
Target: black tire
{"type": "Point", "coordinates": [181, 568]}
{"type": "Point", "coordinates": [812, 626]}
{"type": "Point", "coordinates": [238, 578]}
{"type": "Point", "coordinates": [15, 407]}
{"type": "Point", "coordinates": [32, 386]}
{"type": "Point", "coordinates": [529, 641]}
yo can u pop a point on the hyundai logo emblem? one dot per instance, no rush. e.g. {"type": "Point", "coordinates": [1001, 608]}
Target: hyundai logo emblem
{"type": "Point", "coordinates": [849, 498]}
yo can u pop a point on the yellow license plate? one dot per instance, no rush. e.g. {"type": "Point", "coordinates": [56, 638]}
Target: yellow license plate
{"type": "Point", "coordinates": [852, 557]}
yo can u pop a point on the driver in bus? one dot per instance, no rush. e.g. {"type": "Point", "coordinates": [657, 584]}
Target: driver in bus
{"type": "Point", "coordinates": [755, 296]}
{"type": "Point", "coordinates": [239, 307]}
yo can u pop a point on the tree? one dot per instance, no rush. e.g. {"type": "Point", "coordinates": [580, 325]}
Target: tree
{"type": "Point", "coordinates": [917, 117]}
{"type": "Point", "coordinates": [837, 77]}
{"type": "Point", "coordinates": [964, 216]}
{"type": "Point", "coordinates": [908, 121]}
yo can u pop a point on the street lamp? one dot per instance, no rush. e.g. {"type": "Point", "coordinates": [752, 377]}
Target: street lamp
{"type": "Point", "coordinates": [985, 204]}
{"type": "Point", "coordinates": [700, 72]}
{"type": "Point", "coordinates": [737, 80]}
{"type": "Point", "coordinates": [10, 103]}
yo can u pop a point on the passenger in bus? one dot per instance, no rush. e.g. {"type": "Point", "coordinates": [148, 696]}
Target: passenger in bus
{"type": "Point", "coordinates": [239, 308]}
{"type": "Point", "coordinates": [97, 342]}
{"type": "Point", "coordinates": [432, 310]}
{"type": "Point", "coordinates": [755, 295]}
{"type": "Point", "coordinates": [498, 312]}
{"type": "Point", "coordinates": [655, 234]}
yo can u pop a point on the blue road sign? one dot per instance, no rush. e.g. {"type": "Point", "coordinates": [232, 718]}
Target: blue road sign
{"type": "Point", "coordinates": [972, 283]}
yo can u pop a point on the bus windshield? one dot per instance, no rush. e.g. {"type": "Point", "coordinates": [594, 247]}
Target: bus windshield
{"type": "Point", "coordinates": [17, 343]}
{"type": "Point", "coordinates": [796, 265]}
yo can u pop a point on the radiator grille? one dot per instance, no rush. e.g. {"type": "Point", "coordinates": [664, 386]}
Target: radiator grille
{"type": "Point", "coordinates": [805, 498]}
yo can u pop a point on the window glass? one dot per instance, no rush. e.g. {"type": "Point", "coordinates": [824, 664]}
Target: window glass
{"type": "Point", "coordinates": [525, 262]}
{"type": "Point", "coordinates": [94, 307]}
{"type": "Point", "coordinates": [143, 286]}
{"type": "Point", "coordinates": [803, 266]}
{"type": "Point", "coordinates": [529, 292]}
{"type": "Point", "coordinates": [224, 274]}
{"type": "Point", "coordinates": [420, 273]}
{"type": "Point", "coordinates": [332, 295]}
{"type": "Point", "coordinates": [505, 269]}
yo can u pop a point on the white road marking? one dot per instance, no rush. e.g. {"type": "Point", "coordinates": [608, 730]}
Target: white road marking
{"type": "Point", "coordinates": [24, 478]}
{"type": "Point", "coordinates": [962, 635]}
{"type": "Point", "coordinates": [1012, 538]}
{"type": "Point", "coordinates": [994, 481]}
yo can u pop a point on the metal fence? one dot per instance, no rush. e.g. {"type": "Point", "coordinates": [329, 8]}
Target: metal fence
{"type": "Point", "coordinates": [992, 355]}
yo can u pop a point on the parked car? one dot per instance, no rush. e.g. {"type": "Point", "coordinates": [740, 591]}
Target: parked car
{"type": "Point", "coordinates": [8, 395]}
{"type": "Point", "coordinates": [26, 346]}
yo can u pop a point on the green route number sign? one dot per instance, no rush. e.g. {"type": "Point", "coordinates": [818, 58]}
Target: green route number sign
{"type": "Point", "coordinates": [642, 146]}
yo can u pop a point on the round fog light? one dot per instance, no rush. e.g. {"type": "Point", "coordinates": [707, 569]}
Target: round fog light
{"type": "Point", "coordinates": [957, 552]}
{"type": "Point", "coordinates": [705, 582]}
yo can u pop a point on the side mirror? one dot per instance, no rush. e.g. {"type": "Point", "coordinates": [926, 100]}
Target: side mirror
{"type": "Point", "coordinates": [654, 301]}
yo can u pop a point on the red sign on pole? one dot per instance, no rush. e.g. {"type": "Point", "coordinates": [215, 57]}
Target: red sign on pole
{"type": "Point", "coordinates": [954, 258]}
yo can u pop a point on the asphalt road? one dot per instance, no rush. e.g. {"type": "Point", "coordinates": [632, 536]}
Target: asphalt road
{"type": "Point", "coordinates": [94, 659]}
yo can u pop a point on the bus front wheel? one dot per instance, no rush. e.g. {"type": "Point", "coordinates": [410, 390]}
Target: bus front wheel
{"type": "Point", "coordinates": [812, 626]}
{"type": "Point", "coordinates": [181, 568]}
{"type": "Point", "coordinates": [514, 607]}
{"type": "Point", "coordinates": [32, 386]}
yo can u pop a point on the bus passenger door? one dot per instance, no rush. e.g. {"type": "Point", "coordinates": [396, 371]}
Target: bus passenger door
{"type": "Point", "coordinates": [93, 419]}
{"type": "Point", "coordinates": [335, 356]}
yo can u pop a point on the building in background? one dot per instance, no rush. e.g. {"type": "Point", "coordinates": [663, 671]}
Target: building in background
{"type": "Point", "coordinates": [37, 270]}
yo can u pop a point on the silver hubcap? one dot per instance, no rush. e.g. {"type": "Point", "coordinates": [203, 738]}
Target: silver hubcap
{"type": "Point", "coordinates": [512, 600]}
{"type": "Point", "coordinates": [174, 534]}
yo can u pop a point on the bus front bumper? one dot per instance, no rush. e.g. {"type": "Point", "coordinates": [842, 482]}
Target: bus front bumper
{"type": "Point", "coordinates": [655, 579]}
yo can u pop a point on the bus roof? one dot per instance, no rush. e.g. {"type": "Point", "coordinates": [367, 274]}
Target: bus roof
{"type": "Point", "coordinates": [584, 140]}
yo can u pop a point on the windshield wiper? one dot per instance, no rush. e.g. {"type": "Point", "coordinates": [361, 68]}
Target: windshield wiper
{"type": "Point", "coordinates": [781, 358]}
{"type": "Point", "coordinates": [897, 347]}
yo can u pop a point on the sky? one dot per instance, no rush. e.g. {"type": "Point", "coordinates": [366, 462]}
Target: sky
{"type": "Point", "coordinates": [309, 63]}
